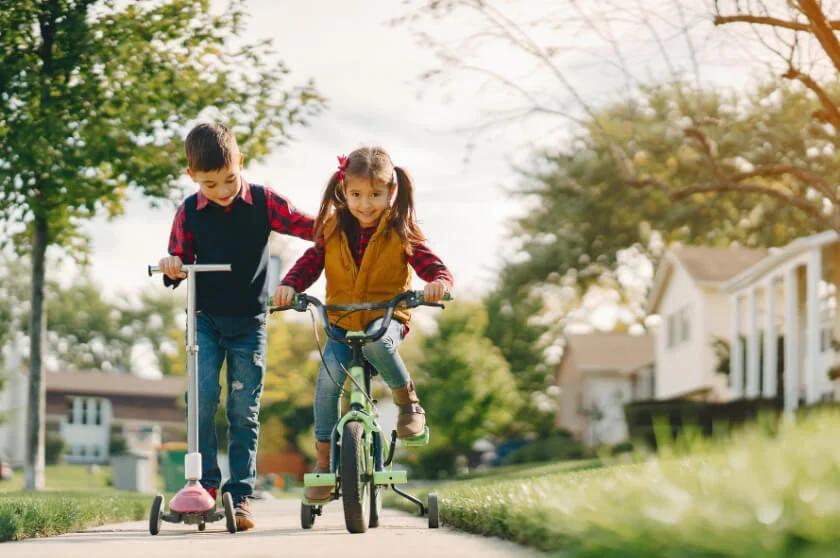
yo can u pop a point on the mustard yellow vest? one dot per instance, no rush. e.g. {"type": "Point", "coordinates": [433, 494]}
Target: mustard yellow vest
{"type": "Point", "coordinates": [383, 274]}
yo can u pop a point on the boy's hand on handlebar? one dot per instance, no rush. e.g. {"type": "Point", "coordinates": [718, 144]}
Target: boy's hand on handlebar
{"type": "Point", "coordinates": [434, 291]}
{"type": "Point", "coordinates": [284, 295]}
{"type": "Point", "coordinates": [171, 267]}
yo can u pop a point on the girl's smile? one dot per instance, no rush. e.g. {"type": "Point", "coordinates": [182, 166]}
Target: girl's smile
{"type": "Point", "coordinates": [366, 199]}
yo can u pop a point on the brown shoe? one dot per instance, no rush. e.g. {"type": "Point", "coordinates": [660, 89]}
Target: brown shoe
{"type": "Point", "coordinates": [411, 420]}
{"type": "Point", "coordinates": [242, 514]}
{"type": "Point", "coordinates": [322, 465]}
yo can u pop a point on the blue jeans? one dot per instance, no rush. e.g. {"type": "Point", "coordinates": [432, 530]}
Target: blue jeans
{"type": "Point", "coordinates": [241, 341]}
{"type": "Point", "coordinates": [382, 354]}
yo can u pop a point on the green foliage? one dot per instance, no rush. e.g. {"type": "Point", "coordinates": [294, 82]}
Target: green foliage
{"type": "Point", "coordinates": [291, 370]}
{"type": "Point", "coordinates": [585, 212]}
{"type": "Point", "coordinates": [553, 448]}
{"type": "Point", "coordinates": [763, 494]}
{"type": "Point", "coordinates": [24, 515]}
{"type": "Point", "coordinates": [97, 96]}
{"type": "Point", "coordinates": [87, 331]}
{"type": "Point", "coordinates": [464, 384]}
{"type": "Point", "coordinates": [117, 445]}
{"type": "Point", "coordinates": [53, 448]}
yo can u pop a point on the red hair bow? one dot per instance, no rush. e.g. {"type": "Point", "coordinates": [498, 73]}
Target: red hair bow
{"type": "Point", "coordinates": [342, 166]}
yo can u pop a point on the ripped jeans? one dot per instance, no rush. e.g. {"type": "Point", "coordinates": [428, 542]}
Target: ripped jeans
{"type": "Point", "coordinates": [241, 341]}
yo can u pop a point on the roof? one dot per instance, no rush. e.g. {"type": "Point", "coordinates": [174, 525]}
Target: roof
{"type": "Point", "coordinates": [705, 265]}
{"type": "Point", "coordinates": [101, 383]}
{"type": "Point", "coordinates": [778, 257]}
{"type": "Point", "coordinates": [611, 352]}
{"type": "Point", "coordinates": [714, 265]}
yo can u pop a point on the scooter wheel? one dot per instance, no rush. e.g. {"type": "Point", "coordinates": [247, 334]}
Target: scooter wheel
{"type": "Point", "coordinates": [434, 511]}
{"type": "Point", "coordinates": [155, 515]}
{"type": "Point", "coordinates": [230, 517]}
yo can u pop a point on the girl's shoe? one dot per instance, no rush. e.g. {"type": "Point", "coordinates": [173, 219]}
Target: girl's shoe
{"type": "Point", "coordinates": [411, 420]}
{"type": "Point", "coordinates": [322, 465]}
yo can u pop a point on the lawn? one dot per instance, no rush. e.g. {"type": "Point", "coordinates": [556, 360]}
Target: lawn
{"type": "Point", "coordinates": [761, 493]}
{"type": "Point", "coordinates": [76, 498]}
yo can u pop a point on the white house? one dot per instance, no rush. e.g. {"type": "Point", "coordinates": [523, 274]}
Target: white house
{"type": "Point", "coordinates": [597, 375]}
{"type": "Point", "coordinates": [88, 408]}
{"type": "Point", "coordinates": [688, 296]}
{"type": "Point", "coordinates": [790, 294]}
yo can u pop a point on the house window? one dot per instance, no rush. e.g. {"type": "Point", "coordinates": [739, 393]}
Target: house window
{"type": "Point", "coordinates": [69, 410]}
{"type": "Point", "coordinates": [679, 327]}
{"type": "Point", "coordinates": [97, 411]}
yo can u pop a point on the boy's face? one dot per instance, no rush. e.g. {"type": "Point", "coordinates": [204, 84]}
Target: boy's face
{"type": "Point", "coordinates": [220, 186]}
{"type": "Point", "coordinates": [366, 199]}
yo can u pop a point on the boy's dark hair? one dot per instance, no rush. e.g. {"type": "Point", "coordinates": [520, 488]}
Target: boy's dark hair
{"type": "Point", "coordinates": [210, 146]}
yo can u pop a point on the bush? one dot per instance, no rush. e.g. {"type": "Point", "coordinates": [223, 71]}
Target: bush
{"type": "Point", "coordinates": [117, 445]}
{"type": "Point", "coordinates": [553, 448]}
{"type": "Point", "coordinates": [53, 448]}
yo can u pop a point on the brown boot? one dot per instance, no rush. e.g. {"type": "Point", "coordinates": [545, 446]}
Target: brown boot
{"type": "Point", "coordinates": [412, 418]}
{"type": "Point", "coordinates": [322, 465]}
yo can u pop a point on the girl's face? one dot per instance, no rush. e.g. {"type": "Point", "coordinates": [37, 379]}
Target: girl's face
{"type": "Point", "coordinates": [366, 199]}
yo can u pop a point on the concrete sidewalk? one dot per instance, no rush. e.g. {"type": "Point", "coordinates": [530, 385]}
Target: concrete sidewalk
{"type": "Point", "coordinates": [278, 535]}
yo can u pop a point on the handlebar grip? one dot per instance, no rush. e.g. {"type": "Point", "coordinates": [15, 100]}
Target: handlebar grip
{"type": "Point", "coordinates": [419, 295]}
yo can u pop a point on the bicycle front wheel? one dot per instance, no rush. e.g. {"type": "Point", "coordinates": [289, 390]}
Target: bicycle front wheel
{"type": "Point", "coordinates": [355, 481]}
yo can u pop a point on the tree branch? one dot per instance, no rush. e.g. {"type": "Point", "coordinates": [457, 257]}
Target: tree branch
{"type": "Point", "coordinates": [771, 21]}
{"type": "Point", "coordinates": [733, 186]}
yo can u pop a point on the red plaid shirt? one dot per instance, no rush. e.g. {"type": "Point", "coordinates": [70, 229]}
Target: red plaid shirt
{"type": "Point", "coordinates": [282, 218]}
{"type": "Point", "coordinates": [308, 268]}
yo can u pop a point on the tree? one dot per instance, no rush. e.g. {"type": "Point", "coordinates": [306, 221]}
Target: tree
{"type": "Point", "coordinates": [95, 98]}
{"type": "Point", "coordinates": [86, 330]}
{"type": "Point", "coordinates": [465, 386]}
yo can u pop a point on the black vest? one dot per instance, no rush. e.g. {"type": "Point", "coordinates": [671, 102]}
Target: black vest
{"type": "Point", "coordinates": [238, 237]}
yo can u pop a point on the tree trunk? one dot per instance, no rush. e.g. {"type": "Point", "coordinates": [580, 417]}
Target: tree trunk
{"type": "Point", "coordinates": [34, 467]}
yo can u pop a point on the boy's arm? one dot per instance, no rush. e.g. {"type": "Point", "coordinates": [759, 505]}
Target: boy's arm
{"type": "Point", "coordinates": [429, 266]}
{"type": "Point", "coordinates": [285, 219]}
{"type": "Point", "coordinates": [181, 243]}
{"type": "Point", "coordinates": [306, 270]}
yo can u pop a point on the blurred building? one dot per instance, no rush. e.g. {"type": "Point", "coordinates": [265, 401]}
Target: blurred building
{"type": "Point", "coordinates": [598, 374]}
{"type": "Point", "coordinates": [89, 410]}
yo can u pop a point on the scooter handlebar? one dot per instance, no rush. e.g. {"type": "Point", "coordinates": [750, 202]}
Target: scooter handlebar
{"type": "Point", "coordinates": [190, 268]}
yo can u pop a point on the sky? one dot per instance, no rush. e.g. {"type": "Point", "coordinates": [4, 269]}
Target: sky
{"type": "Point", "coordinates": [369, 70]}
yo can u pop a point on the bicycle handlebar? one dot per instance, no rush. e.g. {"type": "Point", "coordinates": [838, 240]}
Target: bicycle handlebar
{"type": "Point", "coordinates": [409, 299]}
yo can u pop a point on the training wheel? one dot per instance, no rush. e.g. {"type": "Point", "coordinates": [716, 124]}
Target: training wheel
{"type": "Point", "coordinates": [230, 518]}
{"type": "Point", "coordinates": [307, 516]}
{"type": "Point", "coordinates": [434, 511]}
{"type": "Point", "coordinates": [155, 515]}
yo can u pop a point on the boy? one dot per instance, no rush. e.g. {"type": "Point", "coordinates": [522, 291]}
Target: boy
{"type": "Point", "coordinates": [228, 221]}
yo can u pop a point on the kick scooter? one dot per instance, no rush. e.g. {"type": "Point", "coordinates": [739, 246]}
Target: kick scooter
{"type": "Point", "coordinates": [192, 505]}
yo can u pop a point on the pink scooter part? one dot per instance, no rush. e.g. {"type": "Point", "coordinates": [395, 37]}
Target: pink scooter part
{"type": "Point", "coordinates": [192, 499]}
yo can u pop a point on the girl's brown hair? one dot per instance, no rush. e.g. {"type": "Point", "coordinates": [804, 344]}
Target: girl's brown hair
{"type": "Point", "coordinates": [374, 164]}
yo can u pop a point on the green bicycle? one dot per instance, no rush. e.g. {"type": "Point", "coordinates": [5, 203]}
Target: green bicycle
{"type": "Point", "coordinates": [361, 458]}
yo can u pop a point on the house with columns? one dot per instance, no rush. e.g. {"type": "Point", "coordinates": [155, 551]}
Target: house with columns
{"type": "Point", "coordinates": [783, 323]}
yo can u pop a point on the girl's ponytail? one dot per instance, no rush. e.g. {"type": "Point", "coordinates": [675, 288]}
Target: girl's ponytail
{"type": "Point", "coordinates": [403, 218]}
{"type": "Point", "coordinates": [332, 201]}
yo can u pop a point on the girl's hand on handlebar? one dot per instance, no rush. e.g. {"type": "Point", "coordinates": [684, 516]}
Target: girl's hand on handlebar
{"type": "Point", "coordinates": [171, 267]}
{"type": "Point", "coordinates": [284, 295]}
{"type": "Point", "coordinates": [434, 291]}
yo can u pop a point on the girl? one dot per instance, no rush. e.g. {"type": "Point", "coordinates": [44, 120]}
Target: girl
{"type": "Point", "coordinates": [366, 237]}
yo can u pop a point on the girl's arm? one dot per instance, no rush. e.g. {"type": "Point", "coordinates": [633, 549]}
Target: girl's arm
{"type": "Point", "coordinates": [428, 266]}
{"type": "Point", "coordinates": [285, 219]}
{"type": "Point", "coordinates": [306, 270]}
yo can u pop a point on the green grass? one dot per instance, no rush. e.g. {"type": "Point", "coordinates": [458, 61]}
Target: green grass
{"type": "Point", "coordinates": [759, 494]}
{"type": "Point", "coordinates": [25, 514]}
{"type": "Point", "coordinates": [65, 477]}
{"type": "Point", "coordinates": [76, 498]}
